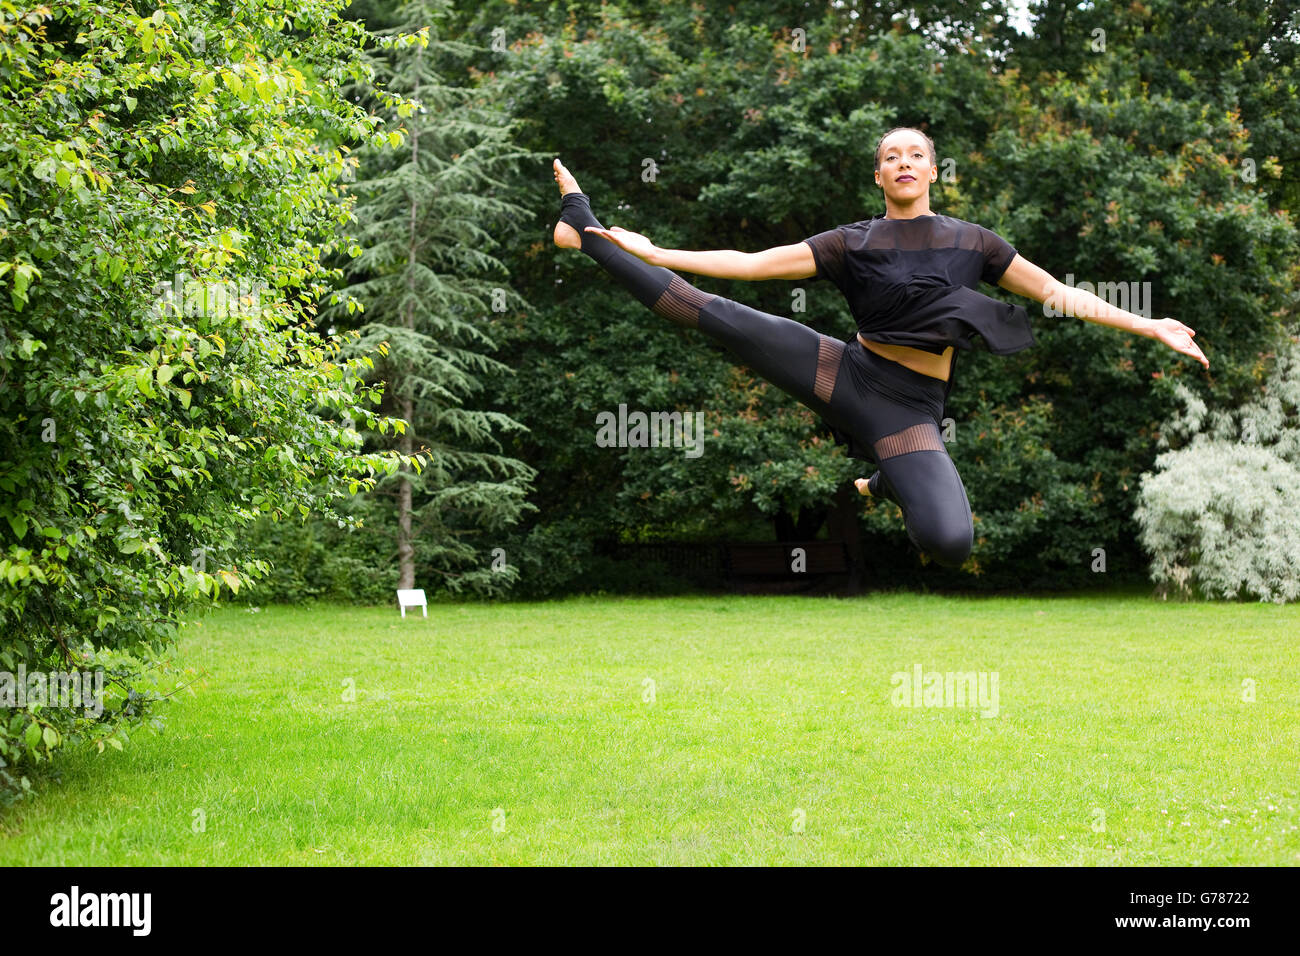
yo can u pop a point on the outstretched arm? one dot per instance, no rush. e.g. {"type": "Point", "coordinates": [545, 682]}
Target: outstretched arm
{"type": "Point", "coordinates": [1024, 278]}
{"type": "Point", "coordinates": [780, 262]}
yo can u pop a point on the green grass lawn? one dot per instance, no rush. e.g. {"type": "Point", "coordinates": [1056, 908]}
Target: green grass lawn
{"type": "Point", "coordinates": [527, 733]}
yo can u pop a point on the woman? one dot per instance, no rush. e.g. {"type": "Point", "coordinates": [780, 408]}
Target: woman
{"type": "Point", "coordinates": [909, 276]}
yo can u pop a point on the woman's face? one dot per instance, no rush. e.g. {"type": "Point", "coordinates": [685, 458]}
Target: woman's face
{"type": "Point", "coordinates": [906, 170]}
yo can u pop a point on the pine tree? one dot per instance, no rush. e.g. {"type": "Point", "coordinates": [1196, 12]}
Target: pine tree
{"type": "Point", "coordinates": [428, 211]}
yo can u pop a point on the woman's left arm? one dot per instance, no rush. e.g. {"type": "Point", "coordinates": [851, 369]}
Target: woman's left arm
{"type": "Point", "coordinates": [1024, 278]}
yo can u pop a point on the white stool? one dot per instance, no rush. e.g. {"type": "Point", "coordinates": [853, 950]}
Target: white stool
{"type": "Point", "coordinates": [412, 598]}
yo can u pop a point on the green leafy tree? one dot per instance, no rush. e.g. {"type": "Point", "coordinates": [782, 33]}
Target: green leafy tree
{"type": "Point", "coordinates": [1243, 57]}
{"type": "Point", "coordinates": [757, 142]}
{"type": "Point", "coordinates": [167, 198]}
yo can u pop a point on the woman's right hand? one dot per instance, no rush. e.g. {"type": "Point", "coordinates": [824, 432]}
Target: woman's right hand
{"type": "Point", "coordinates": [629, 241]}
{"type": "Point", "coordinates": [1178, 337]}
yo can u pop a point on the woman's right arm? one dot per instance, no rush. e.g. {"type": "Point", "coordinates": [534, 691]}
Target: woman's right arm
{"type": "Point", "coordinates": [794, 261]}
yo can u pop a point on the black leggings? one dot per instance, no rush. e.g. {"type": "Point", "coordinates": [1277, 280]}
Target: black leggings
{"type": "Point", "coordinates": [882, 410]}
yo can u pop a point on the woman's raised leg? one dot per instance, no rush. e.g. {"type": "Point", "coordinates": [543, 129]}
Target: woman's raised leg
{"type": "Point", "coordinates": [795, 358]}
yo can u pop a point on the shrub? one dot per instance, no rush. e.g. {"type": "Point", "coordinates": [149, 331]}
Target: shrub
{"type": "Point", "coordinates": [1221, 516]}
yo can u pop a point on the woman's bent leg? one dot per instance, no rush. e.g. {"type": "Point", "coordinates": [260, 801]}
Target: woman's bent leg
{"type": "Point", "coordinates": [898, 412]}
{"type": "Point", "coordinates": [927, 487]}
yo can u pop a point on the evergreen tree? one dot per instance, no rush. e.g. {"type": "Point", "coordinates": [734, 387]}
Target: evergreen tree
{"type": "Point", "coordinates": [428, 213]}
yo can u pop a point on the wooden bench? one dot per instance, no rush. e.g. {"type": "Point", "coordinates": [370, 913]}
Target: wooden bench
{"type": "Point", "coordinates": [779, 559]}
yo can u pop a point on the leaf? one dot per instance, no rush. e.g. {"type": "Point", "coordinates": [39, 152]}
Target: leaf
{"type": "Point", "coordinates": [33, 735]}
{"type": "Point", "coordinates": [131, 546]}
{"type": "Point", "coordinates": [19, 524]}
{"type": "Point", "coordinates": [115, 743]}
{"type": "Point", "coordinates": [63, 176]}
{"type": "Point", "coordinates": [130, 103]}
{"type": "Point", "coordinates": [165, 373]}
{"type": "Point", "coordinates": [51, 737]}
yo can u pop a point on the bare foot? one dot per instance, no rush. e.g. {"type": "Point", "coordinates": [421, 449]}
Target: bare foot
{"type": "Point", "coordinates": [863, 487]}
{"type": "Point", "coordinates": [566, 237]}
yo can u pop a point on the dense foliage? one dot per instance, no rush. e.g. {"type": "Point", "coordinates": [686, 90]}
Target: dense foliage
{"type": "Point", "coordinates": [167, 198]}
{"type": "Point", "coordinates": [755, 125]}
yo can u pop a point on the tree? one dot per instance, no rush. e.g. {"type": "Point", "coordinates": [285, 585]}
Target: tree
{"type": "Point", "coordinates": [430, 211]}
{"type": "Point", "coordinates": [1243, 57]}
{"type": "Point", "coordinates": [755, 143]}
{"type": "Point", "coordinates": [167, 202]}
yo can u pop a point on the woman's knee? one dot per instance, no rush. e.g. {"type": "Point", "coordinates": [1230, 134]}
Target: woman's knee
{"type": "Point", "coordinates": [950, 544]}
{"type": "Point", "coordinates": [953, 550]}
{"type": "Point", "coordinates": [947, 542]}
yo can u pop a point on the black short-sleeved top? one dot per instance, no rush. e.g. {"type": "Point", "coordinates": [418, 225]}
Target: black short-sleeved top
{"type": "Point", "coordinates": [912, 282]}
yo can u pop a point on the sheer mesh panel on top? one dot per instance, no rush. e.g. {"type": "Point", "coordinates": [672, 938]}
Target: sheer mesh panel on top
{"type": "Point", "coordinates": [943, 232]}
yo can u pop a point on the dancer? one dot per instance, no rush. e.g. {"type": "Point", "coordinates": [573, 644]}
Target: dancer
{"type": "Point", "coordinates": [909, 276]}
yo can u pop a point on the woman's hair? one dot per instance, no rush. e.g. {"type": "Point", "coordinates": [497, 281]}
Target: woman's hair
{"type": "Point", "coordinates": [934, 158]}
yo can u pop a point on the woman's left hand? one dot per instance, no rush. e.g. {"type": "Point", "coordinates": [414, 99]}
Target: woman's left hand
{"type": "Point", "coordinates": [1178, 337]}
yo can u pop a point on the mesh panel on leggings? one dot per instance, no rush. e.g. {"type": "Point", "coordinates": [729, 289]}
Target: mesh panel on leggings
{"type": "Point", "coordinates": [829, 352]}
{"type": "Point", "coordinates": [922, 437]}
{"type": "Point", "coordinates": [681, 303]}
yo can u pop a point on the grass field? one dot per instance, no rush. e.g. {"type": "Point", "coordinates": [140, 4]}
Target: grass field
{"type": "Point", "coordinates": [529, 733]}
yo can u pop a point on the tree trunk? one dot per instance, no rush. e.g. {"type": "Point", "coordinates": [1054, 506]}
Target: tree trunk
{"type": "Point", "coordinates": [405, 542]}
{"type": "Point", "coordinates": [842, 524]}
